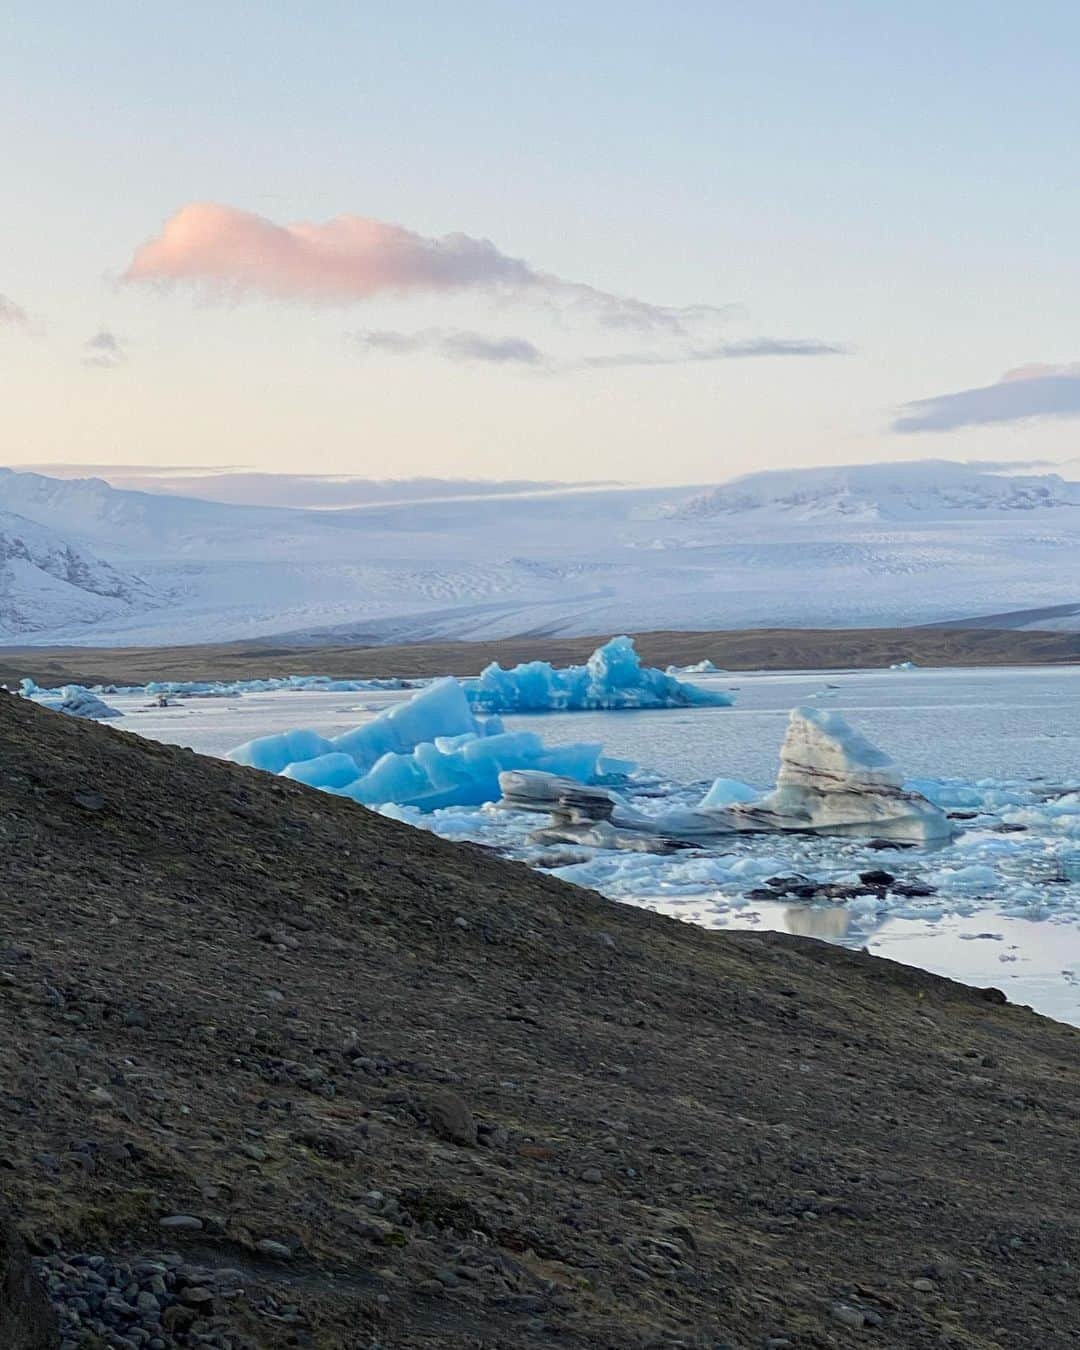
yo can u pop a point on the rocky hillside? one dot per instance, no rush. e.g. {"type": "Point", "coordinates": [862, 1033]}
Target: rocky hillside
{"type": "Point", "coordinates": [278, 1072]}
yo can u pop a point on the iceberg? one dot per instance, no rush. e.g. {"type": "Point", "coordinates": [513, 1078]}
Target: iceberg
{"type": "Point", "coordinates": [74, 700]}
{"type": "Point", "coordinates": [429, 753]}
{"type": "Point", "coordinates": [612, 678]}
{"type": "Point", "coordinates": [833, 781]}
{"type": "Point", "coordinates": [705, 667]}
{"type": "Point", "coordinates": [596, 817]}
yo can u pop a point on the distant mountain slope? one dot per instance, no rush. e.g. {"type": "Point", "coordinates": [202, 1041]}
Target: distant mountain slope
{"type": "Point", "coordinates": [45, 581]}
{"type": "Point", "coordinates": [935, 489]}
{"type": "Point", "coordinates": [868, 546]}
{"type": "Point", "coordinates": [90, 510]}
{"type": "Point", "coordinates": [244, 488]}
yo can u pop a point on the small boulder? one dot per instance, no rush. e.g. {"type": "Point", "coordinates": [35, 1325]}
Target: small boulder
{"type": "Point", "coordinates": [450, 1118]}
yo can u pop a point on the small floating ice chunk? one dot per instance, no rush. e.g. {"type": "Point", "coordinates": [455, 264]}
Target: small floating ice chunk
{"type": "Point", "coordinates": [704, 667]}
{"type": "Point", "coordinates": [724, 791]}
{"type": "Point", "coordinates": [974, 877]}
{"type": "Point", "coordinates": [948, 794]}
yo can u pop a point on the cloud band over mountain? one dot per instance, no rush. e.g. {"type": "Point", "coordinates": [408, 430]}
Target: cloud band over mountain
{"type": "Point", "coordinates": [1028, 392]}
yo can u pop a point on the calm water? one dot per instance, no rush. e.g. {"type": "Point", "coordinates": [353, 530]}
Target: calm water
{"type": "Point", "coordinates": [1021, 723]}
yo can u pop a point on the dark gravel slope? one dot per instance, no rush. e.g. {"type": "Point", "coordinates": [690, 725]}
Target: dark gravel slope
{"type": "Point", "coordinates": [305, 1076]}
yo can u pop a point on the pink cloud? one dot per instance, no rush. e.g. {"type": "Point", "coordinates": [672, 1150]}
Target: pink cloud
{"type": "Point", "coordinates": [354, 258]}
{"type": "Point", "coordinates": [350, 258]}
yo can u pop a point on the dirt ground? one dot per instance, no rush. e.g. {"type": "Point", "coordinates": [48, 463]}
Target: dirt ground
{"type": "Point", "coordinates": [750, 649]}
{"type": "Point", "coordinates": [402, 1093]}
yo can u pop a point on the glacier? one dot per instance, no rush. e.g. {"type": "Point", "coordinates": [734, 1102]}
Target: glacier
{"type": "Point", "coordinates": [887, 544]}
{"type": "Point", "coordinates": [429, 753]}
{"type": "Point", "coordinates": [612, 678]}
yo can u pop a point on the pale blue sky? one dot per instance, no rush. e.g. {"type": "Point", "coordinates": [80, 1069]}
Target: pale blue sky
{"type": "Point", "coordinates": [895, 180]}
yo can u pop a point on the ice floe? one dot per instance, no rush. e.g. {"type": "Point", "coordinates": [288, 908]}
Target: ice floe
{"type": "Point", "coordinates": [230, 688]}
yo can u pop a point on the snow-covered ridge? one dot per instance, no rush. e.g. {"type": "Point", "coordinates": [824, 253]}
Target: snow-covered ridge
{"type": "Point", "coordinates": [46, 579]}
{"type": "Point", "coordinates": [135, 568]}
{"type": "Point", "coordinates": [871, 492]}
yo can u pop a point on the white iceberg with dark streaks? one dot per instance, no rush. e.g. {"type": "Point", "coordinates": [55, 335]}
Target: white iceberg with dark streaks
{"type": "Point", "coordinates": [833, 781]}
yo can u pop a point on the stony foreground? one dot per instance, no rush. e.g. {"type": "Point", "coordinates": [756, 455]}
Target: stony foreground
{"type": "Point", "coordinates": [275, 1071]}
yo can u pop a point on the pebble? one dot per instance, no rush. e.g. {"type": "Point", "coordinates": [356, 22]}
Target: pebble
{"type": "Point", "coordinates": [592, 1175]}
{"type": "Point", "coordinates": [278, 1250]}
{"type": "Point", "coordinates": [849, 1316]}
{"type": "Point", "coordinates": [181, 1223]}
{"type": "Point", "coordinates": [924, 1286]}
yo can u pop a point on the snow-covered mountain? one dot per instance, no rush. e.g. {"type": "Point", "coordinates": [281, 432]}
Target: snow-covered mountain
{"type": "Point", "coordinates": [924, 489]}
{"type": "Point", "coordinates": [46, 581]}
{"type": "Point", "coordinates": [871, 545]}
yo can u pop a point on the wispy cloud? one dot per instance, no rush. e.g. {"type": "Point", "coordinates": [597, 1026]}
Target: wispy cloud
{"type": "Point", "coordinates": [13, 315]}
{"type": "Point", "coordinates": [457, 345]}
{"type": "Point", "coordinates": [104, 351]}
{"type": "Point", "coordinates": [721, 351]}
{"type": "Point", "coordinates": [1023, 394]}
{"type": "Point", "coordinates": [453, 345]}
{"type": "Point", "coordinates": [239, 254]}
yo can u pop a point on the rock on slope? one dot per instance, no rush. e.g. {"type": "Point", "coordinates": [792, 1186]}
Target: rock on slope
{"type": "Point", "coordinates": [348, 1085]}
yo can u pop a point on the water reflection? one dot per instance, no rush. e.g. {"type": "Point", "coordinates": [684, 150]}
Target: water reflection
{"type": "Point", "coordinates": [831, 925]}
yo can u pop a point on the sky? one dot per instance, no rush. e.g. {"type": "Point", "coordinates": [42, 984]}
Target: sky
{"type": "Point", "coordinates": [647, 241]}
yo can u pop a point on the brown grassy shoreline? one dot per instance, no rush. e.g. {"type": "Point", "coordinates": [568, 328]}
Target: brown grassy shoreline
{"type": "Point", "coordinates": [745, 649]}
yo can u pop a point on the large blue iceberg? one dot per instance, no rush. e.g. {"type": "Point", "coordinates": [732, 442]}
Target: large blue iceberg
{"type": "Point", "coordinates": [612, 678]}
{"type": "Point", "coordinates": [430, 752]}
